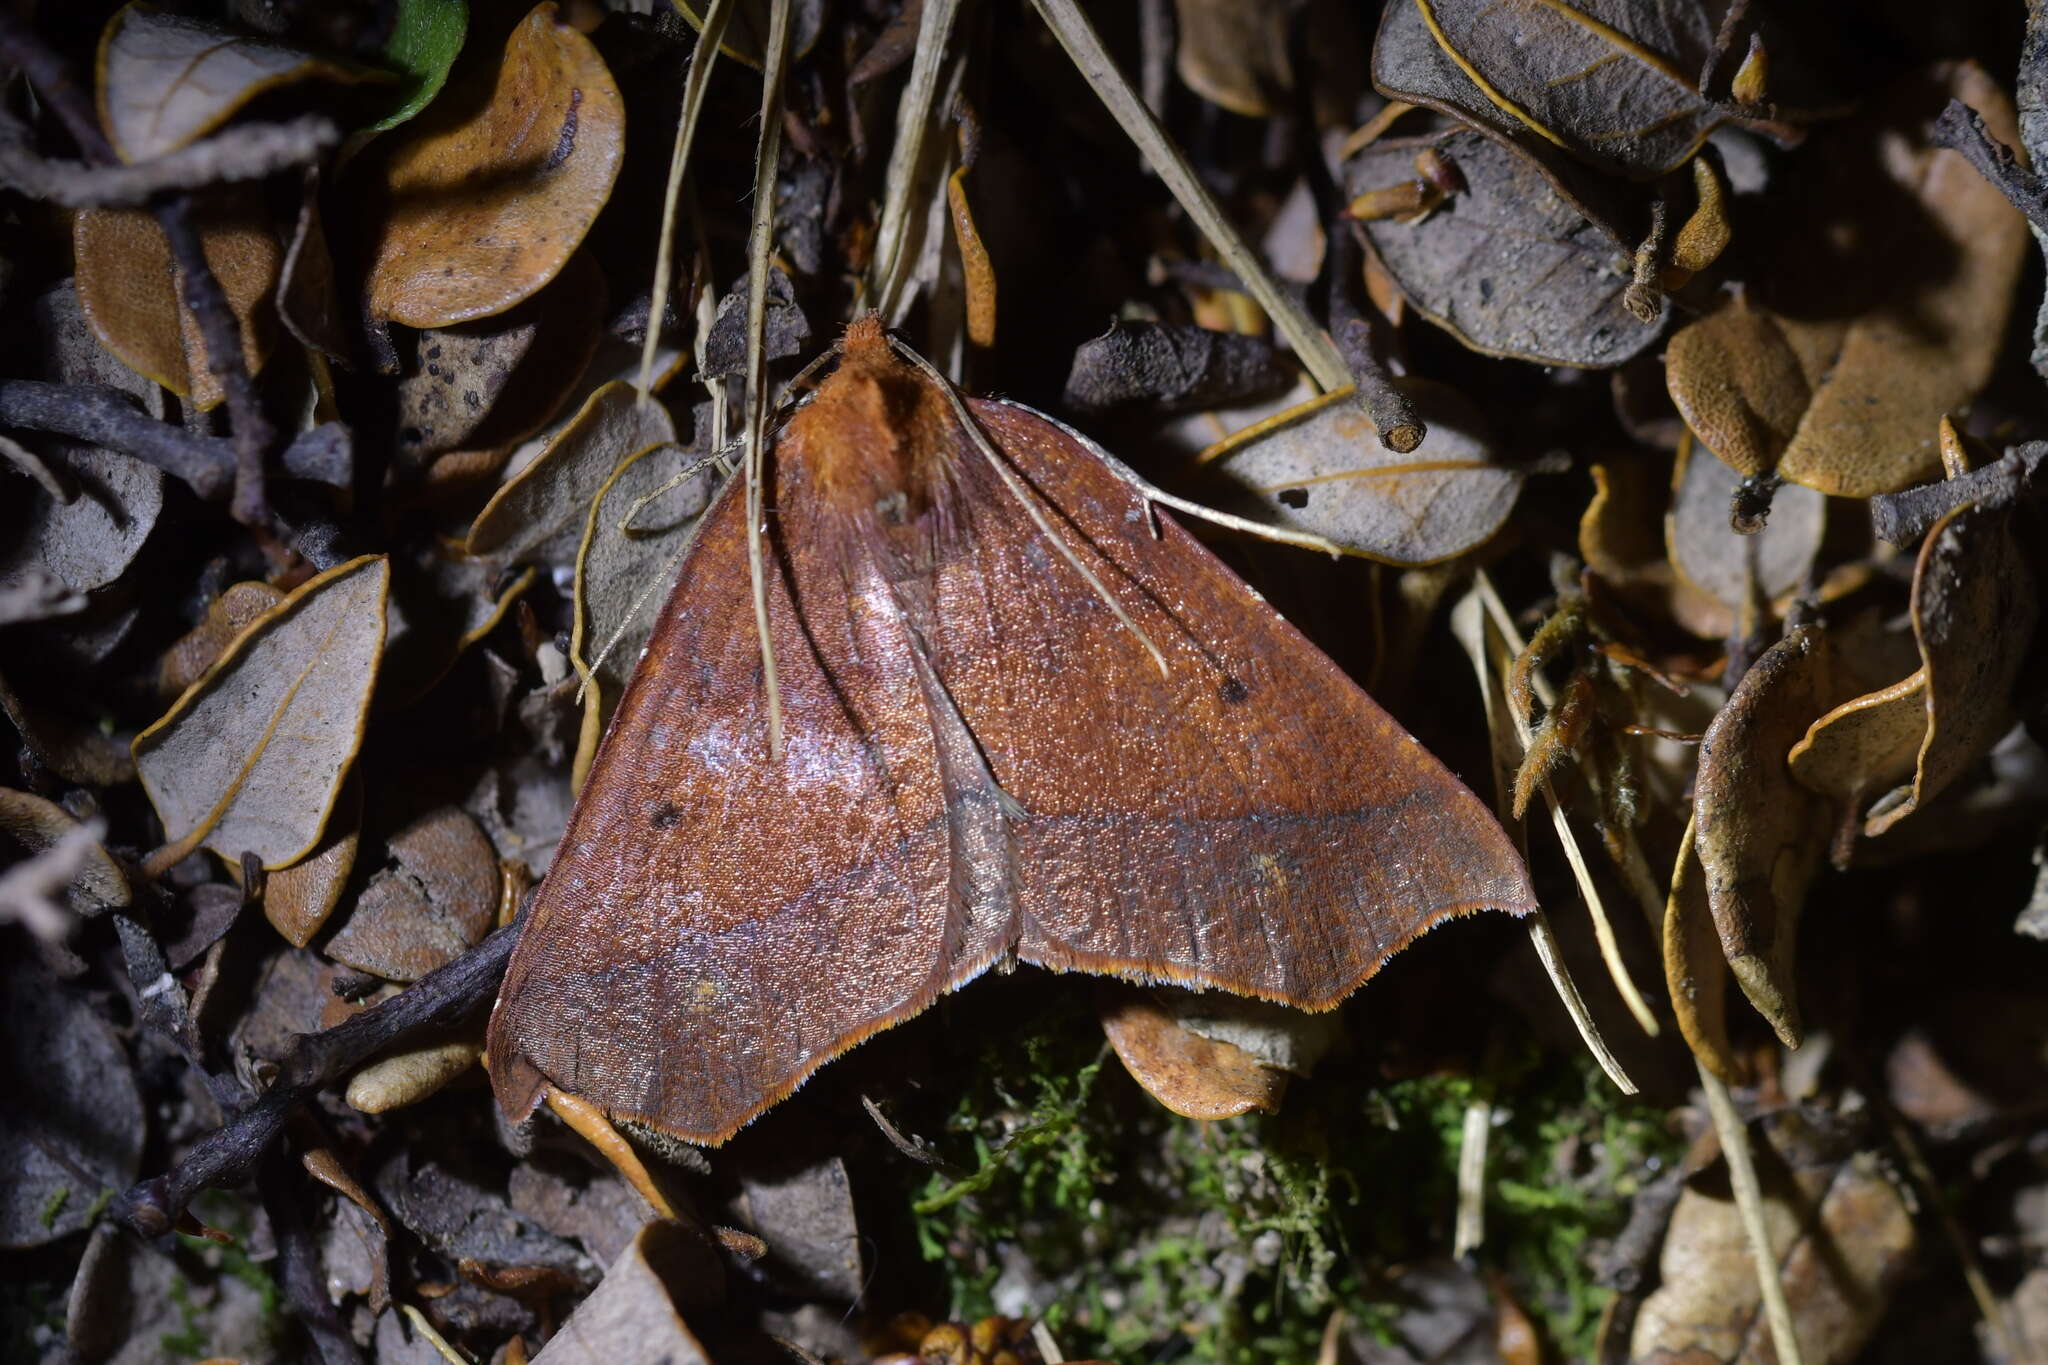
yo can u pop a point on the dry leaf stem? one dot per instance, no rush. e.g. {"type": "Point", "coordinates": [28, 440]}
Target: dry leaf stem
{"type": "Point", "coordinates": [230, 1154]}
{"type": "Point", "coordinates": [1084, 46]}
{"type": "Point", "coordinates": [1603, 927]}
{"type": "Point", "coordinates": [913, 121]}
{"type": "Point", "coordinates": [760, 241]}
{"type": "Point", "coordinates": [1469, 623]}
{"type": "Point", "coordinates": [1749, 1202]}
{"type": "Point", "coordinates": [695, 82]}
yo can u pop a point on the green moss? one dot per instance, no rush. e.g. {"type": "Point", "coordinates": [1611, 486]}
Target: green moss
{"type": "Point", "coordinates": [54, 1205]}
{"type": "Point", "coordinates": [1240, 1237]}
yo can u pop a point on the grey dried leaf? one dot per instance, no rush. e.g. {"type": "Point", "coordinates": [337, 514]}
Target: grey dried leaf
{"type": "Point", "coordinates": [632, 1314]}
{"type": "Point", "coordinates": [1614, 82]}
{"type": "Point", "coordinates": [806, 1217]}
{"type": "Point", "coordinates": [788, 331]}
{"type": "Point", "coordinates": [1321, 468]}
{"type": "Point", "coordinates": [1164, 368]}
{"type": "Point", "coordinates": [166, 80]}
{"type": "Point", "coordinates": [1712, 557]}
{"type": "Point", "coordinates": [73, 1125]}
{"type": "Point", "coordinates": [539, 515]}
{"type": "Point", "coordinates": [252, 756]}
{"type": "Point", "coordinates": [630, 552]}
{"type": "Point", "coordinates": [1508, 265]}
{"type": "Point", "coordinates": [438, 898]}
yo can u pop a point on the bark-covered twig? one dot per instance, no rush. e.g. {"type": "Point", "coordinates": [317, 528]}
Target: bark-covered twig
{"type": "Point", "coordinates": [1961, 129]}
{"type": "Point", "coordinates": [248, 151]}
{"type": "Point", "coordinates": [254, 436]}
{"type": "Point", "coordinates": [230, 1155]}
{"type": "Point", "coordinates": [1902, 518]}
{"type": "Point", "coordinates": [110, 418]}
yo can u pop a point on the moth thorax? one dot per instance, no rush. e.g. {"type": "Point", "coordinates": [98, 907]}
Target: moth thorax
{"type": "Point", "coordinates": [878, 439]}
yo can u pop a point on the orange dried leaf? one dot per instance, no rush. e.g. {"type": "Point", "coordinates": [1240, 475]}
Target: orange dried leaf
{"type": "Point", "coordinates": [131, 295]}
{"type": "Point", "coordinates": [1195, 1077]}
{"type": "Point", "coordinates": [483, 200]}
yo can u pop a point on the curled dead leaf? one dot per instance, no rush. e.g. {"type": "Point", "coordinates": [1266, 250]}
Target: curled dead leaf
{"type": "Point", "coordinates": [483, 200]}
{"type": "Point", "coordinates": [1195, 1077]}
{"type": "Point", "coordinates": [35, 824]}
{"type": "Point", "coordinates": [251, 758]}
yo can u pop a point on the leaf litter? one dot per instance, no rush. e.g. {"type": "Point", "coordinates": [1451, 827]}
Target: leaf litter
{"type": "Point", "coordinates": [1693, 322]}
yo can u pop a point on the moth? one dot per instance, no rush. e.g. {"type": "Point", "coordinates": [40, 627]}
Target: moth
{"type": "Point", "coordinates": [1025, 717]}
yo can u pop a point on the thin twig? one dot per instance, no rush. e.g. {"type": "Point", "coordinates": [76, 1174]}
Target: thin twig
{"type": "Point", "coordinates": [230, 1154]}
{"type": "Point", "coordinates": [759, 242]}
{"type": "Point", "coordinates": [248, 151]}
{"type": "Point", "coordinates": [695, 82]}
{"type": "Point", "coordinates": [1749, 1202]}
{"type": "Point", "coordinates": [110, 418]}
{"type": "Point", "coordinates": [1084, 46]}
{"type": "Point", "coordinates": [1961, 129]}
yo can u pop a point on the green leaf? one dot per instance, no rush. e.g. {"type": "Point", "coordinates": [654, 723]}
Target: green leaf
{"type": "Point", "coordinates": [421, 48]}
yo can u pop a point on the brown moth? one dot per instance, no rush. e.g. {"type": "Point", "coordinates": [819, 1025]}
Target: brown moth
{"type": "Point", "coordinates": [1027, 717]}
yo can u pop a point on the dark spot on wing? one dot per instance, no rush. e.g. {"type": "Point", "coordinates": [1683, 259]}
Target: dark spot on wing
{"type": "Point", "coordinates": [1232, 691]}
{"type": "Point", "coordinates": [665, 816]}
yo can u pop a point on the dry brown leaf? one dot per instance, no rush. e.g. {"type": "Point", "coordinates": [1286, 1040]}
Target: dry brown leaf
{"type": "Point", "coordinates": [166, 80]}
{"type": "Point", "coordinates": [1507, 265]}
{"type": "Point", "coordinates": [1742, 382]}
{"type": "Point", "coordinates": [1695, 972]}
{"type": "Point", "coordinates": [131, 295]}
{"type": "Point", "coordinates": [411, 1074]}
{"type": "Point", "coordinates": [1844, 1236]}
{"type": "Point", "coordinates": [493, 383]}
{"type": "Point", "coordinates": [1976, 606]}
{"type": "Point", "coordinates": [1196, 1077]}
{"type": "Point", "coordinates": [1721, 563]}
{"type": "Point", "coordinates": [438, 898]}
{"type": "Point", "coordinates": [226, 617]}
{"type": "Point", "coordinates": [35, 824]}
{"type": "Point", "coordinates": [297, 900]}
{"type": "Point", "coordinates": [1759, 834]}
{"type": "Point", "coordinates": [1865, 746]}
{"type": "Point", "coordinates": [632, 1314]}
{"type": "Point", "coordinates": [540, 514]}
{"type": "Point", "coordinates": [1233, 53]}
{"type": "Point", "coordinates": [252, 756]}
{"type": "Point", "coordinates": [1321, 468]}
{"type": "Point", "coordinates": [484, 199]}
{"type": "Point", "coordinates": [1879, 308]}
{"type": "Point", "coordinates": [1613, 82]}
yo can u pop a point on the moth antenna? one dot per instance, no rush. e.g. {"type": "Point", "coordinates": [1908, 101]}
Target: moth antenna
{"type": "Point", "coordinates": [1023, 496]}
{"type": "Point", "coordinates": [759, 241]}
